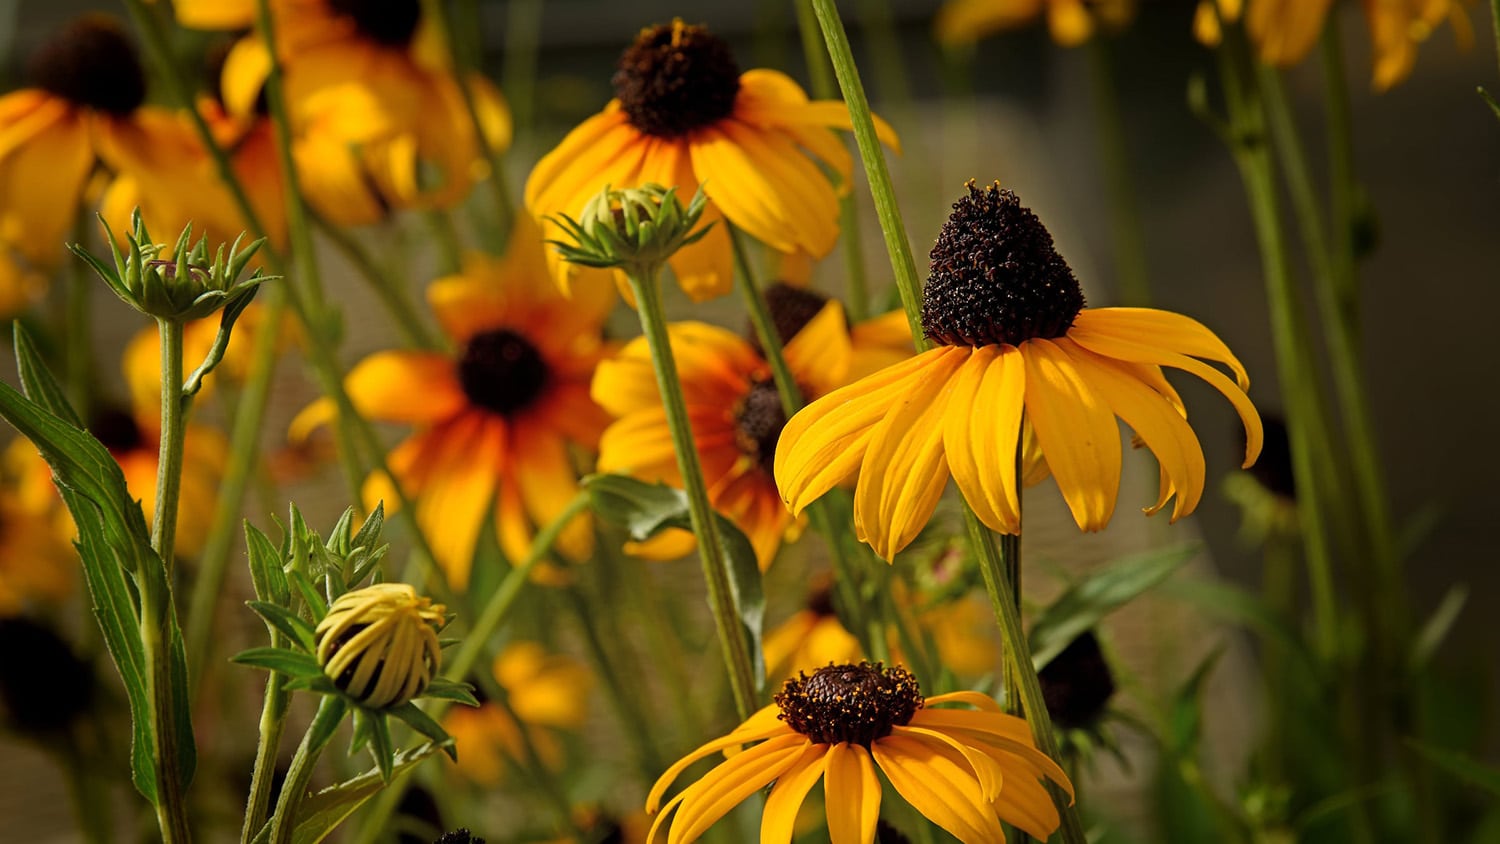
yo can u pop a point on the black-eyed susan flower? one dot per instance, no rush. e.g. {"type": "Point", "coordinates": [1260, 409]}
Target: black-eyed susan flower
{"type": "Point", "coordinates": [966, 770]}
{"type": "Point", "coordinates": [734, 409]}
{"type": "Point", "coordinates": [548, 692]}
{"type": "Point", "coordinates": [1014, 342]}
{"type": "Point", "coordinates": [1070, 22]}
{"type": "Point", "coordinates": [379, 644]}
{"type": "Point", "coordinates": [494, 421]}
{"type": "Point", "coordinates": [684, 115]}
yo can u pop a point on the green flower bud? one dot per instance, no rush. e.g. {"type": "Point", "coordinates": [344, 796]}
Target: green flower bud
{"type": "Point", "coordinates": [379, 644]}
{"type": "Point", "coordinates": [182, 284]}
{"type": "Point", "coordinates": [636, 230]}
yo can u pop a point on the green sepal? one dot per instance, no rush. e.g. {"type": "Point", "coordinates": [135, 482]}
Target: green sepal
{"type": "Point", "coordinates": [282, 661]}
{"type": "Point", "coordinates": [266, 573]}
{"type": "Point", "coordinates": [309, 593]}
{"type": "Point", "coordinates": [445, 689]}
{"type": "Point", "coordinates": [423, 723]}
{"type": "Point", "coordinates": [289, 623]}
{"type": "Point", "coordinates": [381, 746]}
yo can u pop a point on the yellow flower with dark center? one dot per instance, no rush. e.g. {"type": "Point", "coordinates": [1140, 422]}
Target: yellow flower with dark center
{"type": "Point", "coordinates": [379, 119]}
{"type": "Point", "coordinates": [495, 421]}
{"type": "Point", "coordinates": [85, 103]}
{"type": "Point", "coordinates": [1015, 341]}
{"type": "Point", "coordinates": [547, 691]}
{"type": "Point", "coordinates": [733, 407]}
{"type": "Point", "coordinates": [1071, 22]}
{"type": "Point", "coordinates": [965, 770]}
{"type": "Point", "coordinates": [684, 115]}
{"type": "Point", "coordinates": [379, 644]}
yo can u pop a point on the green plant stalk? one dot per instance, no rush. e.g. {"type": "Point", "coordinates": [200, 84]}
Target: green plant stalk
{"type": "Point", "coordinates": [523, 21]}
{"type": "Point", "coordinates": [391, 292]}
{"type": "Point", "coordinates": [1124, 212]}
{"type": "Point", "coordinates": [1006, 603]}
{"type": "Point", "coordinates": [646, 285]}
{"type": "Point", "coordinates": [90, 803]}
{"type": "Point", "coordinates": [77, 331]}
{"type": "Point", "coordinates": [169, 454]}
{"type": "Point", "coordinates": [522, 28]}
{"type": "Point", "coordinates": [272, 725]}
{"type": "Point", "coordinates": [878, 175]}
{"type": "Point", "coordinates": [1341, 177]}
{"type": "Point", "coordinates": [156, 616]}
{"type": "Point", "coordinates": [324, 724]}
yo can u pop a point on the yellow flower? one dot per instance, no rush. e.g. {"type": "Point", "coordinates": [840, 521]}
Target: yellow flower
{"type": "Point", "coordinates": [684, 115]}
{"type": "Point", "coordinates": [494, 422]}
{"type": "Point", "coordinates": [20, 285]}
{"type": "Point", "coordinates": [379, 644]}
{"type": "Point", "coordinates": [1071, 22]}
{"type": "Point", "coordinates": [379, 120]}
{"type": "Point", "coordinates": [965, 770]}
{"type": "Point", "coordinates": [734, 409]}
{"type": "Point", "coordinates": [546, 691]}
{"type": "Point", "coordinates": [811, 638]}
{"type": "Point", "coordinates": [1015, 342]}
{"type": "Point", "coordinates": [86, 103]}
{"type": "Point", "coordinates": [36, 560]}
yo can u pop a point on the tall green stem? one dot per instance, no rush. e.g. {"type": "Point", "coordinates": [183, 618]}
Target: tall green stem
{"type": "Point", "coordinates": [1124, 214]}
{"type": "Point", "coordinates": [76, 332]}
{"type": "Point", "coordinates": [169, 454]}
{"type": "Point", "coordinates": [390, 291]}
{"type": "Point", "coordinates": [647, 288]}
{"type": "Point", "coordinates": [272, 725]}
{"type": "Point", "coordinates": [299, 774]}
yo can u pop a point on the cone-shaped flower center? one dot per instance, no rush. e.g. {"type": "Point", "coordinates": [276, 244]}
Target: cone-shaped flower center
{"type": "Point", "coordinates": [116, 430]}
{"type": "Point", "coordinates": [502, 371]}
{"type": "Point", "coordinates": [388, 22]}
{"type": "Point", "coordinates": [792, 308]}
{"type": "Point", "coordinates": [91, 63]}
{"type": "Point", "coordinates": [758, 420]}
{"type": "Point", "coordinates": [995, 276]}
{"type": "Point", "coordinates": [853, 703]}
{"type": "Point", "coordinates": [1077, 683]}
{"type": "Point", "coordinates": [676, 78]}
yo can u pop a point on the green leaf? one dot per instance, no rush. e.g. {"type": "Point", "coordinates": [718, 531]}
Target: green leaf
{"type": "Point", "coordinates": [1461, 765]}
{"type": "Point", "coordinates": [1084, 604]}
{"type": "Point", "coordinates": [287, 622]}
{"type": "Point", "coordinates": [423, 723]}
{"type": "Point", "coordinates": [445, 689]}
{"type": "Point", "coordinates": [280, 660]}
{"type": "Point", "coordinates": [644, 510]}
{"type": "Point", "coordinates": [1231, 603]}
{"type": "Point", "coordinates": [381, 747]}
{"type": "Point", "coordinates": [363, 729]}
{"type": "Point", "coordinates": [309, 593]}
{"type": "Point", "coordinates": [1438, 625]}
{"type": "Point", "coordinates": [37, 381]}
{"type": "Point", "coordinates": [266, 573]}
{"type": "Point", "coordinates": [321, 813]}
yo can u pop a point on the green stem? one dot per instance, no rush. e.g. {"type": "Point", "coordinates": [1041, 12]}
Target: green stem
{"type": "Point", "coordinates": [156, 620]}
{"type": "Point", "coordinates": [1124, 212]}
{"type": "Point", "coordinates": [272, 725]}
{"type": "Point", "coordinates": [244, 445]}
{"type": "Point", "coordinates": [879, 176]}
{"type": "Point", "coordinates": [390, 291]}
{"type": "Point", "coordinates": [647, 288]}
{"type": "Point", "coordinates": [299, 774]}
{"type": "Point", "coordinates": [523, 25]}
{"type": "Point", "coordinates": [1006, 603]}
{"type": "Point", "coordinates": [169, 455]}
{"type": "Point", "coordinates": [76, 331]}
{"type": "Point", "coordinates": [90, 803]}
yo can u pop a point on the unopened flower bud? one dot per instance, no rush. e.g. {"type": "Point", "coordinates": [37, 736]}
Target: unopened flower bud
{"type": "Point", "coordinates": [636, 229]}
{"type": "Point", "coordinates": [379, 644]}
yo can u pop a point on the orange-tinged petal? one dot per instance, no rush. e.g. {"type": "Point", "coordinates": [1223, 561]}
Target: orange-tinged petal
{"type": "Point", "coordinates": [726, 786]}
{"type": "Point", "coordinates": [944, 792]}
{"type": "Point", "coordinates": [1077, 433]}
{"type": "Point", "coordinates": [408, 387]}
{"type": "Point", "coordinates": [779, 819]}
{"type": "Point", "coordinates": [982, 431]}
{"type": "Point", "coordinates": [41, 186]}
{"type": "Point", "coordinates": [460, 488]}
{"type": "Point", "coordinates": [1069, 22]}
{"type": "Point", "coordinates": [762, 725]}
{"type": "Point", "coordinates": [735, 182]}
{"type": "Point", "coordinates": [549, 484]}
{"type": "Point", "coordinates": [853, 789]}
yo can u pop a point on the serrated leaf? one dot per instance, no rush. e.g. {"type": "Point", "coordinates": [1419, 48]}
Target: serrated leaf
{"type": "Point", "coordinates": [280, 660]}
{"type": "Point", "coordinates": [1084, 604]}
{"type": "Point", "coordinates": [423, 723]}
{"type": "Point", "coordinates": [644, 510]}
{"type": "Point", "coordinates": [290, 625]}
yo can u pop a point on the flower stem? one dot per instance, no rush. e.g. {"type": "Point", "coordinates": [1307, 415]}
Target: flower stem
{"type": "Point", "coordinates": [272, 724]}
{"type": "Point", "coordinates": [1006, 603]}
{"type": "Point", "coordinates": [319, 732]}
{"type": "Point", "coordinates": [157, 615]}
{"type": "Point", "coordinates": [75, 330]}
{"type": "Point", "coordinates": [169, 455]}
{"type": "Point", "coordinates": [647, 288]}
{"type": "Point", "coordinates": [1124, 213]}
{"type": "Point", "coordinates": [391, 292]}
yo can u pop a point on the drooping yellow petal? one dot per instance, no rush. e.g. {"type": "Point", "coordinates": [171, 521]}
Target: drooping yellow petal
{"type": "Point", "coordinates": [763, 724]}
{"type": "Point", "coordinates": [1025, 803]}
{"type": "Point", "coordinates": [944, 792]}
{"type": "Point", "coordinates": [982, 430]}
{"type": "Point", "coordinates": [1077, 432]}
{"type": "Point", "coordinates": [736, 183]}
{"type": "Point", "coordinates": [1165, 329]}
{"type": "Point", "coordinates": [726, 786]}
{"type": "Point", "coordinates": [853, 795]}
{"type": "Point", "coordinates": [819, 355]}
{"type": "Point", "coordinates": [460, 488]}
{"type": "Point", "coordinates": [780, 816]}
{"type": "Point", "coordinates": [987, 772]}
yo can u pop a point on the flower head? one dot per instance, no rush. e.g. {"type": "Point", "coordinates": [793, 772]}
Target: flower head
{"type": "Point", "coordinates": [965, 770]}
{"type": "Point", "coordinates": [1020, 358]}
{"type": "Point", "coordinates": [379, 644]}
{"type": "Point", "coordinates": [684, 115]}
{"type": "Point", "coordinates": [636, 229]}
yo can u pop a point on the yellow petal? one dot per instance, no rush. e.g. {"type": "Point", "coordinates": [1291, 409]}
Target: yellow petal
{"type": "Point", "coordinates": [987, 772]}
{"type": "Point", "coordinates": [780, 816]}
{"type": "Point", "coordinates": [1025, 803]}
{"type": "Point", "coordinates": [941, 790]}
{"type": "Point", "coordinates": [1077, 432]}
{"type": "Point", "coordinates": [982, 430]}
{"type": "Point", "coordinates": [1069, 22]}
{"type": "Point", "coordinates": [819, 355]}
{"type": "Point", "coordinates": [460, 488]}
{"type": "Point", "coordinates": [1167, 330]}
{"type": "Point", "coordinates": [407, 387]}
{"type": "Point", "coordinates": [763, 724]}
{"type": "Point", "coordinates": [723, 788]}
{"type": "Point", "coordinates": [853, 795]}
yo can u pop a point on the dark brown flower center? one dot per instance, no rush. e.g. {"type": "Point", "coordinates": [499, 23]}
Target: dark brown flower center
{"type": "Point", "coordinates": [1077, 683]}
{"type": "Point", "coordinates": [792, 308]}
{"type": "Point", "coordinates": [116, 430]}
{"type": "Point", "coordinates": [502, 371]}
{"type": "Point", "coordinates": [995, 276]}
{"type": "Point", "coordinates": [91, 63]}
{"type": "Point", "coordinates": [1273, 469]}
{"type": "Point", "coordinates": [758, 420]}
{"type": "Point", "coordinates": [853, 703]}
{"type": "Point", "coordinates": [388, 22]}
{"type": "Point", "coordinates": [676, 78]}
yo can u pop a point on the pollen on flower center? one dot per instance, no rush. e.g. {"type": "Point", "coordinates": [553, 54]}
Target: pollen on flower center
{"type": "Point", "coordinates": [676, 78]}
{"type": "Point", "coordinates": [853, 703]}
{"type": "Point", "coordinates": [389, 22]}
{"type": "Point", "coordinates": [758, 420]}
{"type": "Point", "coordinates": [502, 371]}
{"type": "Point", "coordinates": [116, 430]}
{"type": "Point", "coordinates": [91, 63]}
{"type": "Point", "coordinates": [996, 277]}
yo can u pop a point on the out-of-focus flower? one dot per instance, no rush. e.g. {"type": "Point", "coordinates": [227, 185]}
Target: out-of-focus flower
{"type": "Point", "coordinates": [379, 644]}
{"type": "Point", "coordinates": [684, 115]}
{"type": "Point", "coordinates": [967, 771]}
{"type": "Point", "coordinates": [1077, 683]}
{"type": "Point", "coordinates": [21, 285]}
{"type": "Point", "coordinates": [37, 563]}
{"type": "Point", "coordinates": [810, 639]}
{"type": "Point", "coordinates": [734, 409]}
{"type": "Point", "coordinates": [1014, 341]}
{"type": "Point", "coordinates": [380, 120]}
{"type": "Point", "coordinates": [547, 692]}
{"type": "Point", "coordinates": [493, 424]}
{"type": "Point", "coordinates": [142, 359]}
{"type": "Point", "coordinates": [1071, 22]}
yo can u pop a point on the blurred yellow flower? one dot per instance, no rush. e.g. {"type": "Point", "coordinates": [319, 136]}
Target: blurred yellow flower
{"type": "Point", "coordinates": [1014, 342]}
{"type": "Point", "coordinates": [493, 423]}
{"type": "Point", "coordinates": [810, 639]}
{"type": "Point", "coordinates": [20, 285]}
{"type": "Point", "coordinates": [37, 562]}
{"type": "Point", "coordinates": [1071, 22]}
{"type": "Point", "coordinates": [684, 115]}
